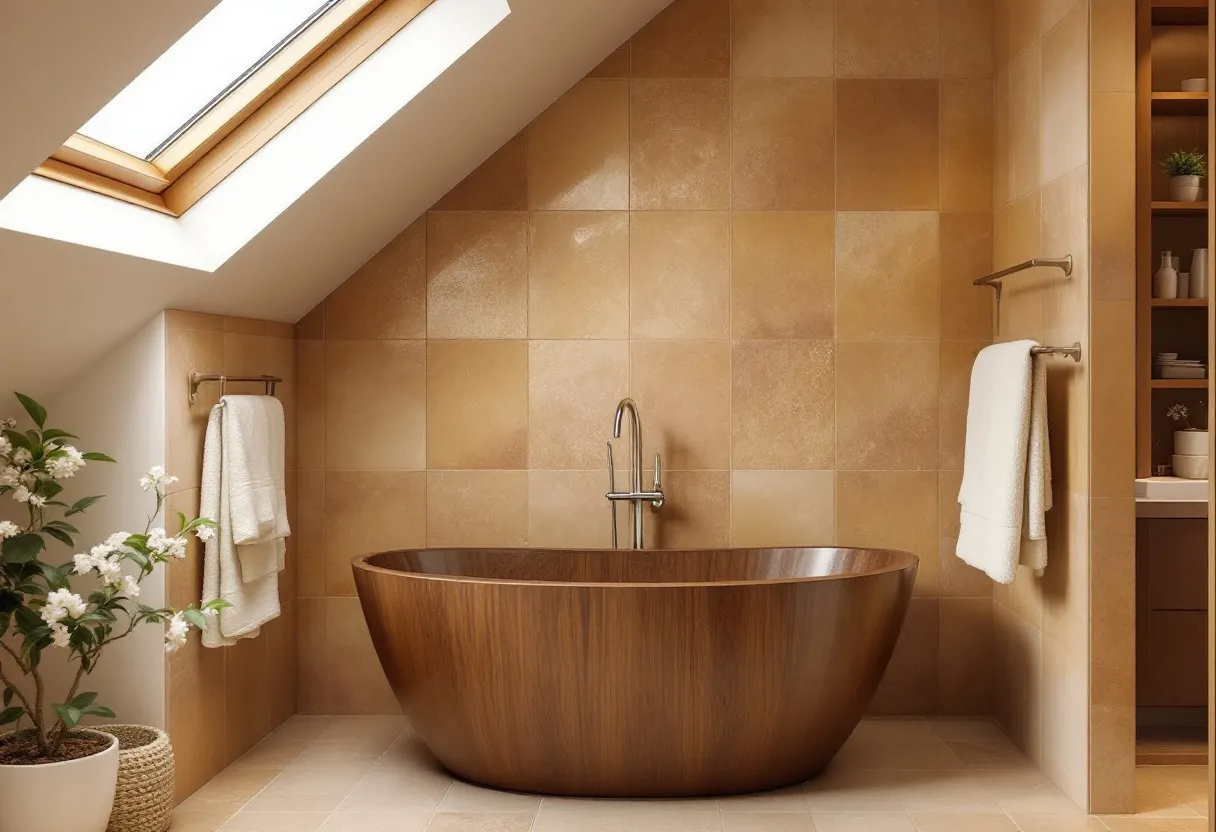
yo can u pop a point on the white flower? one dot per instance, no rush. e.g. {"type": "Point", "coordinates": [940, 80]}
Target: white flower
{"type": "Point", "coordinates": [156, 478]}
{"type": "Point", "coordinates": [110, 571]}
{"type": "Point", "coordinates": [175, 637]}
{"type": "Point", "coordinates": [62, 467]}
{"type": "Point", "coordinates": [21, 456]}
{"type": "Point", "coordinates": [8, 529]}
{"type": "Point", "coordinates": [62, 603]}
{"type": "Point", "coordinates": [8, 424]}
{"type": "Point", "coordinates": [161, 544]}
{"type": "Point", "coordinates": [205, 533]}
{"type": "Point", "coordinates": [83, 563]}
{"type": "Point", "coordinates": [130, 586]}
{"type": "Point", "coordinates": [60, 635]}
{"type": "Point", "coordinates": [36, 501]}
{"type": "Point", "coordinates": [22, 494]}
{"type": "Point", "coordinates": [6, 447]}
{"type": "Point", "coordinates": [10, 477]}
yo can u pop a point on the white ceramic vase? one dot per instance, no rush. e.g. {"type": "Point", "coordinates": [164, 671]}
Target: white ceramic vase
{"type": "Point", "coordinates": [1189, 467]}
{"type": "Point", "coordinates": [1191, 442]}
{"type": "Point", "coordinates": [73, 796]}
{"type": "Point", "coordinates": [1165, 281]}
{"type": "Point", "coordinates": [1199, 273]}
{"type": "Point", "coordinates": [1184, 284]}
{"type": "Point", "coordinates": [1184, 188]}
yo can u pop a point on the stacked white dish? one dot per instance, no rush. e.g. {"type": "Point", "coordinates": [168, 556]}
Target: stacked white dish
{"type": "Point", "coordinates": [1169, 365]}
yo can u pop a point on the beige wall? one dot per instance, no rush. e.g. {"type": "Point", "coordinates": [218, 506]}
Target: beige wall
{"type": "Point", "coordinates": [1045, 207]}
{"type": "Point", "coordinates": [759, 220]}
{"type": "Point", "coordinates": [222, 701]}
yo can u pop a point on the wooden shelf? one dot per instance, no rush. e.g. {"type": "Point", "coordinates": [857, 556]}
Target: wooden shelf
{"type": "Point", "coordinates": [1180, 209]}
{"type": "Point", "coordinates": [1173, 303]}
{"type": "Point", "coordinates": [1180, 103]}
{"type": "Point", "coordinates": [1179, 384]}
{"type": "Point", "coordinates": [1180, 12]}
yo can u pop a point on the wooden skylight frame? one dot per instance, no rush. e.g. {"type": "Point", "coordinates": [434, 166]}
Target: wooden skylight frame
{"type": "Point", "coordinates": [198, 159]}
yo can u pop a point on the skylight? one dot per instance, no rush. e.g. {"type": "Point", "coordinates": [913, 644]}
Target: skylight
{"type": "Point", "coordinates": [208, 63]}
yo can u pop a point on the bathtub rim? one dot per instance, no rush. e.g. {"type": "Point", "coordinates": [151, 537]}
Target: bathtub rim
{"type": "Point", "coordinates": [904, 561]}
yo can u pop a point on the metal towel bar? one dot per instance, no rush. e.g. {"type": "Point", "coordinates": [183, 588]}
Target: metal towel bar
{"type": "Point", "coordinates": [994, 280]}
{"type": "Point", "coordinates": [1073, 352]}
{"type": "Point", "coordinates": [202, 378]}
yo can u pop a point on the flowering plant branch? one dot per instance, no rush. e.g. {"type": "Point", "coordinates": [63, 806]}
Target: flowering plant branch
{"type": "Point", "coordinates": [39, 609]}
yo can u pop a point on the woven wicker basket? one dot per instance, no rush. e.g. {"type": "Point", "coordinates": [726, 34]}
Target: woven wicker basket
{"type": "Point", "coordinates": [143, 799]}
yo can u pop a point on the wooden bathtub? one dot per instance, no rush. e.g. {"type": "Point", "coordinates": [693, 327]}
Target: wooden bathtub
{"type": "Point", "coordinates": [635, 673]}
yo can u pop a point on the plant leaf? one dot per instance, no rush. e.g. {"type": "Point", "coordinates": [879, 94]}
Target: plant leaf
{"type": "Point", "coordinates": [21, 549]}
{"type": "Point", "coordinates": [37, 412]}
{"type": "Point", "coordinates": [11, 715]}
{"type": "Point", "coordinates": [98, 456]}
{"type": "Point", "coordinates": [99, 710]}
{"type": "Point", "coordinates": [8, 696]}
{"type": "Point", "coordinates": [196, 618]}
{"type": "Point", "coordinates": [81, 504]}
{"type": "Point", "coordinates": [60, 535]}
{"type": "Point", "coordinates": [69, 714]}
{"type": "Point", "coordinates": [55, 433]}
{"type": "Point", "coordinates": [54, 578]}
{"type": "Point", "coordinates": [84, 700]}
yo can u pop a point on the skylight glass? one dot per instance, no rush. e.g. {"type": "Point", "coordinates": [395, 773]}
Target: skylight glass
{"type": "Point", "coordinates": [205, 64]}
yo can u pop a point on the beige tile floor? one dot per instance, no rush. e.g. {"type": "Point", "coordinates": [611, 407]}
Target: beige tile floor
{"type": "Point", "coordinates": [371, 774]}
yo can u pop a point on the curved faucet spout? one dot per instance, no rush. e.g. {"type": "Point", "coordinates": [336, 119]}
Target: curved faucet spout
{"type": "Point", "coordinates": [635, 461]}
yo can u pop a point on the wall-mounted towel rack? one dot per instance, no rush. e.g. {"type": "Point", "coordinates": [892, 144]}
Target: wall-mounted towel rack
{"type": "Point", "coordinates": [1073, 352]}
{"type": "Point", "coordinates": [202, 378]}
{"type": "Point", "coordinates": [994, 280]}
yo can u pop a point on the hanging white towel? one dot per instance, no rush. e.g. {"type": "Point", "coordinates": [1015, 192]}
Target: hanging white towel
{"type": "Point", "coordinates": [254, 443]}
{"type": "Point", "coordinates": [1006, 488]}
{"type": "Point", "coordinates": [252, 604]}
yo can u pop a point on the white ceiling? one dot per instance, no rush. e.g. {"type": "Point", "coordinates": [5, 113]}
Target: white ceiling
{"type": "Point", "coordinates": [65, 304]}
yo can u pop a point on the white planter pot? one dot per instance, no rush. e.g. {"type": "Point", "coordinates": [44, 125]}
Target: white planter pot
{"type": "Point", "coordinates": [1190, 467]}
{"type": "Point", "coordinates": [1191, 442]}
{"type": "Point", "coordinates": [1184, 188]}
{"type": "Point", "coordinates": [73, 796]}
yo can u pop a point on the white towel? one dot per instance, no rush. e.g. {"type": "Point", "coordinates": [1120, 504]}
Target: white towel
{"type": "Point", "coordinates": [253, 604]}
{"type": "Point", "coordinates": [254, 443]}
{"type": "Point", "coordinates": [1006, 489]}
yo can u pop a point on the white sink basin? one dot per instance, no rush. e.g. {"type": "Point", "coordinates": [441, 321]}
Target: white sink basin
{"type": "Point", "coordinates": [1171, 488]}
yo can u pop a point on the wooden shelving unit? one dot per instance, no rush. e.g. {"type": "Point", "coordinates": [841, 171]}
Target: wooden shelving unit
{"type": "Point", "coordinates": [1179, 209]}
{"type": "Point", "coordinates": [1179, 383]}
{"type": "Point", "coordinates": [1180, 103]}
{"type": "Point", "coordinates": [1174, 303]}
{"type": "Point", "coordinates": [1171, 45]}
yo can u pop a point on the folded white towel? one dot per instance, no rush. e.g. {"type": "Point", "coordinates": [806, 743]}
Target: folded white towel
{"type": "Point", "coordinates": [1006, 488]}
{"type": "Point", "coordinates": [254, 445]}
{"type": "Point", "coordinates": [254, 603]}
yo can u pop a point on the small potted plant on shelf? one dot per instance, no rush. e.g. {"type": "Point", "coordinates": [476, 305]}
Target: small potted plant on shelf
{"type": "Point", "coordinates": [1185, 168]}
{"type": "Point", "coordinates": [1190, 459]}
{"type": "Point", "coordinates": [54, 775]}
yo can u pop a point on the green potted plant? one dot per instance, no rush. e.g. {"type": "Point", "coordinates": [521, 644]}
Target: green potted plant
{"type": "Point", "coordinates": [1185, 168]}
{"type": "Point", "coordinates": [55, 776]}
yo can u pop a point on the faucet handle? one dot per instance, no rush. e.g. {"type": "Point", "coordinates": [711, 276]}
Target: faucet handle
{"type": "Point", "coordinates": [657, 504]}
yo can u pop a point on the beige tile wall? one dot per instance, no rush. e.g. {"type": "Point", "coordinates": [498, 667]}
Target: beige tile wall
{"type": "Point", "coordinates": [222, 701]}
{"type": "Point", "coordinates": [758, 219]}
{"type": "Point", "coordinates": [1042, 199]}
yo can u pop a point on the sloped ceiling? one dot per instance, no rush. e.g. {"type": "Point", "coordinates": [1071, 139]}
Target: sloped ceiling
{"type": "Point", "coordinates": [64, 305]}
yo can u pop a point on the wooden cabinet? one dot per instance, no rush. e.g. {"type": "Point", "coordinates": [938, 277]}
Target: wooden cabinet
{"type": "Point", "coordinates": [1171, 612]}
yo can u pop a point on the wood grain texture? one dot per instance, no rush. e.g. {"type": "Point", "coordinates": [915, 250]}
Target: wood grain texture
{"type": "Point", "coordinates": [635, 674]}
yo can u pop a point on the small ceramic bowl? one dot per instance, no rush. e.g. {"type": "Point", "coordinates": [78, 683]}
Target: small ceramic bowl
{"type": "Point", "coordinates": [1195, 85]}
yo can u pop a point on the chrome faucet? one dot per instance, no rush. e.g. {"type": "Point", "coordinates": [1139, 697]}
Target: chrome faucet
{"type": "Point", "coordinates": [635, 496]}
